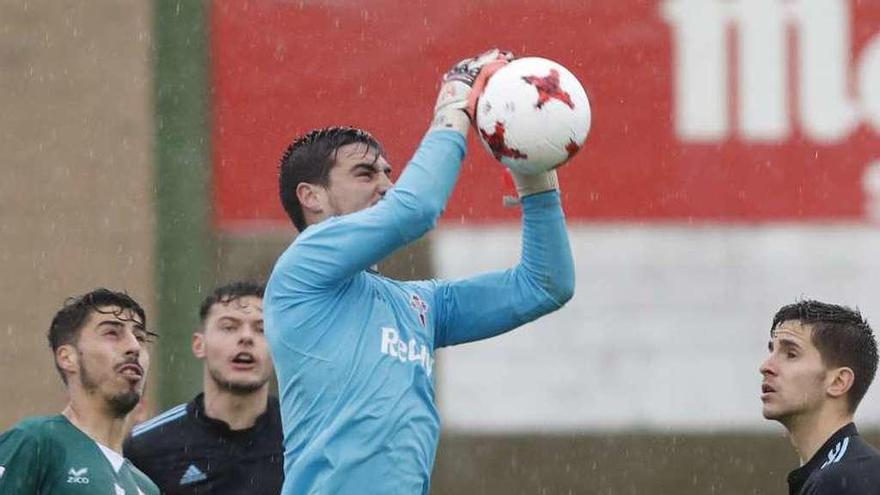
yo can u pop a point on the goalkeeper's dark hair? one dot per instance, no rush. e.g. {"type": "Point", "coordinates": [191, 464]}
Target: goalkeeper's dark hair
{"type": "Point", "coordinates": [69, 320]}
{"type": "Point", "coordinates": [225, 294]}
{"type": "Point", "coordinates": [843, 338]}
{"type": "Point", "coordinates": [310, 158]}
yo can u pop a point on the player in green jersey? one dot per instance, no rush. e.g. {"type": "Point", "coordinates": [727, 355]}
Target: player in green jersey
{"type": "Point", "coordinates": [101, 347]}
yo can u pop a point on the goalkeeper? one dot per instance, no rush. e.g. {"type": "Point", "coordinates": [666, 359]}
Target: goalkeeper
{"type": "Point", "coordinates": [353, 350]}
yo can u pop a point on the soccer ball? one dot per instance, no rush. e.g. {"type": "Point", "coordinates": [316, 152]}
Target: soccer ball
{"type": "Point", "coordinates": [533, 115]}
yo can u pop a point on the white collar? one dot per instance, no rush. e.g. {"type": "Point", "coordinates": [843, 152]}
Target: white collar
{"type": "Point", "coordinates": [115, 459]}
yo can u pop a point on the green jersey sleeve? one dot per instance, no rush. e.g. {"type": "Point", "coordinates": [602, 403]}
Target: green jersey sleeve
{"type": "Point", "coordinates": [20, 466]}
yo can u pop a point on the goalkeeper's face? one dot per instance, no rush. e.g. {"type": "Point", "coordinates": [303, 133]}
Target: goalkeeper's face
{"type": "Point", "coordinates": [359, 178]}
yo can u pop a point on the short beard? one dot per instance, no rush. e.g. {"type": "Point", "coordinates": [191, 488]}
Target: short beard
{"type": "Point", "coordinates": [119, 405]}
{"type": "Point", "coordinates": [122, 404]}
{"type": "Point", "coordinates": [236, 388]}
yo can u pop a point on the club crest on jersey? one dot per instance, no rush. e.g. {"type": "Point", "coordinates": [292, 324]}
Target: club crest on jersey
{"type": "Point", "coordinates": [421, 308]}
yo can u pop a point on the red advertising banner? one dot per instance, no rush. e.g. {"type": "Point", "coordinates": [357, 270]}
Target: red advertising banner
{"type": "Point", "coordinates": [703, 110]}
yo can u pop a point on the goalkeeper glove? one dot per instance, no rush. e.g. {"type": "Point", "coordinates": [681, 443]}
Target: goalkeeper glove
{"type": "Point", "coordinates": [459, 89]}
{"type": "Point", "coordinates": [526, 185]}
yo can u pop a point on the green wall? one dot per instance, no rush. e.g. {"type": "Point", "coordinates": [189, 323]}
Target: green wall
{"type": "Point", "coordinates": [184, 240]}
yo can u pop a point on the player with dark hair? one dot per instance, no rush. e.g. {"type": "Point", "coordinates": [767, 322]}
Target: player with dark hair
{"type": "Point", "coordinates": [310, 159]}
{"type": "Point", "coordinates": [228, 438]}
{"type": "Point", "coordinates": [100, 345]}
{"type": "Point", "coordinates": [823, 358]}
{"type": "Point", "coordinates": [354, 351]}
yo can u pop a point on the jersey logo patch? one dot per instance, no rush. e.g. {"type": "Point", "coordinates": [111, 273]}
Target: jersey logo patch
{"type": "Point", "coordinates": [78, 476]}
{"type": "Point", "coordinates": [836, 454]}
{"type": "Point", "coordinates": [192, 475]}
{"type": "Point", "coordinates": [421, 308]}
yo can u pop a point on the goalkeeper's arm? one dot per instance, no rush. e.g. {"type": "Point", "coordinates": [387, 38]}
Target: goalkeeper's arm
{"type": "Point", "coordinates": [480, 307]}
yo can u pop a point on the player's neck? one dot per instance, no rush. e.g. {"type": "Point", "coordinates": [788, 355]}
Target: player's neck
{"type": "Point", "coordinates": [97, 422]}
{"type": "Point", "coordinates": [809, 431]}
{"type": "Point", "coordinates": [239, 411]}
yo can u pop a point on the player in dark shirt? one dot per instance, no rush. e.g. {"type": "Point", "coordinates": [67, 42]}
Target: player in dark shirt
{"type": "Point", "coordinates": [227, 440]}
{"type": "Point", "coordinates": [822, 359]}
{"type": "Point", "coordinates": [186, 452]}
{"type": "Point", "coordinates": [845, 464]}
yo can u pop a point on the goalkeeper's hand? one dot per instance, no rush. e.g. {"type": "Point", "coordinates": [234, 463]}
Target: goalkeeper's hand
{"type": "Point", "coordinates": [526, 185]}
{"type": "Point", "coordinates": [461, 86]}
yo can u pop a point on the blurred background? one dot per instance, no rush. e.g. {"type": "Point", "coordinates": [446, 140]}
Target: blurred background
{"type": "Point", "coordinates": [733, 167]}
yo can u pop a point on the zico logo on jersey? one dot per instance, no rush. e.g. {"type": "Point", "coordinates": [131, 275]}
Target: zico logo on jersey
{"type": "Point", "coordinates": [78, 476]}
{"type": "Point", "coordinates": [782, 48]}
{"type": "Point", "coordinates": [411, 351]}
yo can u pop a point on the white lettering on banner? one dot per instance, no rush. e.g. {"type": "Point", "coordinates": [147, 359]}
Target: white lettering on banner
{"type": "Point", "coordinates": [410, 351]}
{"type": "Point", "coordinates": [827, 110]}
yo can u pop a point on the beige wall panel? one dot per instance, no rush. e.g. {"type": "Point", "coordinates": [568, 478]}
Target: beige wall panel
{"type": "Point", "coordinates": [76, 193]}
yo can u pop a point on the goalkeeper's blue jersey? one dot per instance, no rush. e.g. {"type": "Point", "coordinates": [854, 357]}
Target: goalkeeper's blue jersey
{"type": "Point", "coordinates": [354, 351]}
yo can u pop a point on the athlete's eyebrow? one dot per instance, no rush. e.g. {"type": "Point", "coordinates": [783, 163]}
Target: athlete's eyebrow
{"type": "Point", "coordinates": [118, 324]}
{"type": "Point", "coordinates": [371, 167]}
{"type": "Point", "coordinates": [230, 318]}
{"type": "Point", "coordinates": [788, 343]}
{"type": "Point", "coordinates": [110, 323]}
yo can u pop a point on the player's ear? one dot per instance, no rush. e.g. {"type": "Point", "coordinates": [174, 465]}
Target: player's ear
{"type": "Point", "coordinates": [840, 381]}
{"type": "Point", "coordinates": [198, 344]}
{"type": "Point", "coordinates": [67, 358]}
{"type": "Point", "coordinates": [311, 197]}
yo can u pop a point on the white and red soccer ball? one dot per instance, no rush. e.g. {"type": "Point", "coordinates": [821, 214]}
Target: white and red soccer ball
{"type": "Point", "coordinates": [533, 115]}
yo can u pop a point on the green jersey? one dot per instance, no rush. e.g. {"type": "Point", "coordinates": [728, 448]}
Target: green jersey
{"type": "Point", "coordinates": [51, 456]}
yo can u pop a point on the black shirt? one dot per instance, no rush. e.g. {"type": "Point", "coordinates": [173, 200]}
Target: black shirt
{"type": "Point", "coordinates": [844, 465]}
{"type": "Point", "coordinates": [186, 453]}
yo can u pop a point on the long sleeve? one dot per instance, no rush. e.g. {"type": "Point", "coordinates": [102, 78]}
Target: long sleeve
{"type": "Point", "coordinates": [486, 305]}
{"type": "Point", "coordinates": [20, 466]}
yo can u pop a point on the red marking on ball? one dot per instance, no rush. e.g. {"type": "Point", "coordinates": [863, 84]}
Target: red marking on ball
{"type": "Point", "coordinates": [572, 148]}
{"type": "Point", "coordinates": [498, 146]}
{"type": "Point", "coordinates": [549, 89]}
